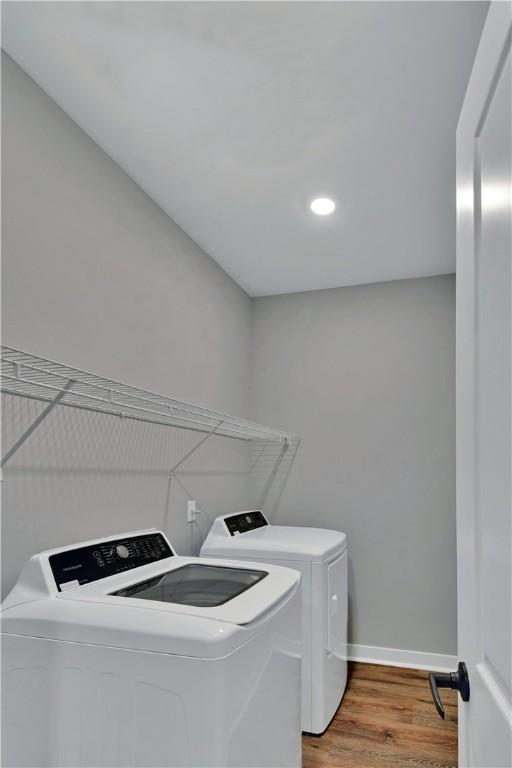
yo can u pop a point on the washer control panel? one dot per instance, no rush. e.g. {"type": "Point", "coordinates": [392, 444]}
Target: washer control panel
{"type": "Point", "coordinates": [96, 561]}
{"type": "Point", "coordinates": [244, 522]}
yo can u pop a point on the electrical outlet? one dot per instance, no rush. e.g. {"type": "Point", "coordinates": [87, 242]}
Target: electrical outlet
{"type": "Point", "coordinates": [191, 511]}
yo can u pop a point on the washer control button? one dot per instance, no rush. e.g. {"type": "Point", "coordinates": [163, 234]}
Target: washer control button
{"type": "Point", "coordinates": [122, 551]}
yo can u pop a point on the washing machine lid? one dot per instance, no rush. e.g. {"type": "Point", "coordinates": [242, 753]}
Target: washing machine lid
{"type": "Point", "coordinates": [239, 593]}
{"type": "Point", "coordinates": [249, 535]}
{"type": "Point", "coordinates": [172, 604]}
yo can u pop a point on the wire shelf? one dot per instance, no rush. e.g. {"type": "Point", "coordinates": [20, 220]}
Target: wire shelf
{"type": "Point", "coordinates": [36, 378]}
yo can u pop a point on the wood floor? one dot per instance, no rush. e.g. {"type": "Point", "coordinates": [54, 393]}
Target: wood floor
{"type": "Point", "coordinates": [386, 719]}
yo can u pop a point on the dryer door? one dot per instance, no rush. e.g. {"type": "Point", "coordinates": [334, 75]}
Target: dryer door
{"type": "Point", "coordinates": [337, 609]}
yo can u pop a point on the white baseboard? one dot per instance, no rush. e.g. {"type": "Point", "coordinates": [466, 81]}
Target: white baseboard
{"type": "Point", "coordinates": [396, 657]}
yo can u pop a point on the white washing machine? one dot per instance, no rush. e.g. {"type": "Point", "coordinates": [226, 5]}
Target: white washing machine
{"type": "Point", "coordinates": [116, 652]}
{"type": "Point", "coordinates": [321, 556]}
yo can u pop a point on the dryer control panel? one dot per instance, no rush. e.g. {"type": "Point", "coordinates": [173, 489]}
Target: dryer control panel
{"type": "Point", "coordinates": [244, 522]}
{"type": "Point", "coordinates": [83, 565]}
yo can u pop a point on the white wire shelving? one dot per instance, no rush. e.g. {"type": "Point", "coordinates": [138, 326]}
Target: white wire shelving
{"type": "Point", "coordinates": [37, 378]}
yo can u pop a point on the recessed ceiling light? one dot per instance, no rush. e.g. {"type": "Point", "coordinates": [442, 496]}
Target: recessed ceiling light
{"type": "Point", "coordinates": [322, 206]}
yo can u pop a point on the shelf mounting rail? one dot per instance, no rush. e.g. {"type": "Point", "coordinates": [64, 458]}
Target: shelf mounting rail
{"type": "Point", "coordinates": [37, 378]}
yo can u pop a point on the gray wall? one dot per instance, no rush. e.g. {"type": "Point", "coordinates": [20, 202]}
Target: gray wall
{"type": "Point", "coordinates": [366, 376]}
{"type": "Point", "coordinates": [97, 276]}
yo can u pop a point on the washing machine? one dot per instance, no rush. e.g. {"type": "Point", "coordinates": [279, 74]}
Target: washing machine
{"type": "Point", "coordinates": [321, 557]}
{"type": "Point", "coordinates": [118, 652]}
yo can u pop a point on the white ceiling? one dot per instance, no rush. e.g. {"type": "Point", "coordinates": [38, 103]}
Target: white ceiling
{"type": "Point", "coordinates": [231, 116]}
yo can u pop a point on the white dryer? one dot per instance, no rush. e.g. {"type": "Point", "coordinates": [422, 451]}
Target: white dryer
{"type": "Point", "coordinates": [117, 652]}
{"type": "Point", "coordinates": [321, 556]}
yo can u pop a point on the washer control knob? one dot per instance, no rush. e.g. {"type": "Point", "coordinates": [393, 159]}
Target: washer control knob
{"type": "Point", "coordinates": [122, 551]}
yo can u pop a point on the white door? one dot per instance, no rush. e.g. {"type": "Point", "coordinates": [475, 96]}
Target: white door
{"type": "Point", "coordinates": [484, 538]}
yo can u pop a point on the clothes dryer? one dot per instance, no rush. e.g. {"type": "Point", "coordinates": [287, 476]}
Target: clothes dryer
{"type": "Point", "coordinates": [321, 557]}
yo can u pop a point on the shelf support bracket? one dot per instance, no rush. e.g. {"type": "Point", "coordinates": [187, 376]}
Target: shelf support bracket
{"type": "Point", "coordinates": [173, 475]}
{"type": "Point", "coordinates": [195, 447]}
{"type": "Point", "coordinates": [273, 474]}
{"type": "Point", "coordinates": [42, 416]}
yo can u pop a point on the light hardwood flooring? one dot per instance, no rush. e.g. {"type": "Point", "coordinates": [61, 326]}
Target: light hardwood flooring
{"type": "Point", "coordinates": [386, 720]}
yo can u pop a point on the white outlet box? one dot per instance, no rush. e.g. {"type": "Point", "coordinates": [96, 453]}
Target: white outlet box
{"type": "Point", "coordinates": [191, 511]}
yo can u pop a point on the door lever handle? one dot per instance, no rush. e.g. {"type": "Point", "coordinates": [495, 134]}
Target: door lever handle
{"type": "Point", "coordinates": [458, 680]}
